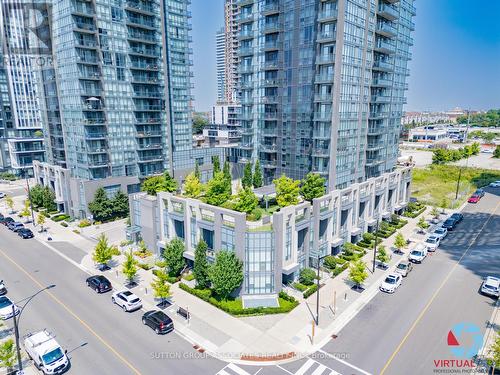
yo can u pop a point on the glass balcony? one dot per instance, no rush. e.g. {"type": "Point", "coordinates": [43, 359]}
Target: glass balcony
{"type": "Point", "coordinates": [270, 8]}
{"type": "Point", "coordinates": [143, 65]}
{"type": "Point", "coordinates": [95, 135]}
{"type": "Point", "coordinates": [326, 36]}
{"type": "Point", "coordinates": [323, 116]}
{"type": "Point", "coordinates": [148, 134]}
{"type": "Point", "coordinates": [269, 164]}
{"type": "Point", "coordinates": [386, 65]}
{"type": "Point", "coordinates": [386, 29]}
{"type": "Point", "coordinates": [245, 51]}
{"type": "Point", "coordinates": [323, 97]}
{"type": "Point", "coordinates": [376, 130]}
{"type": "Point", "coordinates": [382, 82]}
{"type": "Point", "coordinates": [86, 27]}
{"type": "Point", "coordinates": [325, 58]}
{"type": "Point", "coordinates": [245, 33]}
{"type": "Point", "coordinates": [387, 11]}
{"type": "Point", "coordinates": [321, 152]}
{"type": "Point", "coordinates": [145, 37]}
{"type": "Point", "coordinates": [385, 46]}
{"type": "Point", "coordinates": [380, 99]}
{"type": "Point", "coordinates": [142, 22]}
{"type": "Point", "coordinates": [84, 9]}
{"type": "Point", "coordinates": [271, 27]}
{"type": "Point", "coordinates": [246, 17]}
{"type": "Point", "coordinates": [140, 6]}
{"type": "Point", "coordinates": [327, 15]}
{"type": "Point", "coordinates": [271, 44]}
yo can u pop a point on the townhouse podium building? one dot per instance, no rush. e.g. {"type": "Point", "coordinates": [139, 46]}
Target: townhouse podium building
{"type": "Point", "coordinates": [275, 248]}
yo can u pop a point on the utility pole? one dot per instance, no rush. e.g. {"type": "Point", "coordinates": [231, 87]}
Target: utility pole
{"type": "Point", "coordinates": [16, 334]}
{"type": "Point", "coordinates": [317, 289]}
{"type": "Point", "coordinates": [375, 246]}
{"type": "Point", "coordinates": [29, 196]}
{"type": "Point", "coordinates": [466, 158]}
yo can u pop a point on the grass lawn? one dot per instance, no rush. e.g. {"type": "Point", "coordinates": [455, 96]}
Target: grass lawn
{"type": "Point", "coordinates": [432, 184]}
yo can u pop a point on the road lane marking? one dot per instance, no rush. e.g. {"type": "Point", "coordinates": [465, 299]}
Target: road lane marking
{"type": "Point", "coordinates": [422, 313]}
{"type": "Point", "coordinates": [86, 325]}
{"type": "Point", "coordinates": [237, 369]}
{"type": "Point", "coordinates": [344, 362]}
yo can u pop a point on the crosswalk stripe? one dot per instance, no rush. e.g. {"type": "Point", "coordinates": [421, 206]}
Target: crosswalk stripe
{"type": "Point", "coordinates": [236, 369]}
{"type": "Point", "coordinates": [305, 367]}
{"type": "Point", "coordinates": [222, 372]}
{"type": "Point", "coordinates": [333, 372]}
{"type": "Point", "coordinates": [319, 370]}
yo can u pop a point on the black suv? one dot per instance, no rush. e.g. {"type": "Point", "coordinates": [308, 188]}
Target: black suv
{"type": "Point", "coordinates": [99, 283]}
{"type": "Point", "coordinates": [457, 216]}
{"type": "Point", "coordinates": [7, 220]}
{"type": "Point", "coordinates": [25, 233]}
{"type": "Point", "coordinates": [449, 224]}
{"type": "Point", "coordinates": [158, 321]}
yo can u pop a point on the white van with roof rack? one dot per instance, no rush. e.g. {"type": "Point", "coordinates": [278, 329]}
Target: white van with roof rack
{"type": "Point", "coordinates": [46, 353]}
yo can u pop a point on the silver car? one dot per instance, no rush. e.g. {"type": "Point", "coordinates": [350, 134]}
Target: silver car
{"type": "Point", "coordinates": [404, 268]}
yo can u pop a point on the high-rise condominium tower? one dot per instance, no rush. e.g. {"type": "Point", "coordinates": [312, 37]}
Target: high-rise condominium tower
{"type": "Point", "coordinates": [323, 85]}
{"type": "Point", "coordinates": [220, 55]}
{"type": "Point", "coordinates": [231, 14]}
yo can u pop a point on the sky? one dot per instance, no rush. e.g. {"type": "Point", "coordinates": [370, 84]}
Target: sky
{"type": "Point", "coordinates": [456, 54]}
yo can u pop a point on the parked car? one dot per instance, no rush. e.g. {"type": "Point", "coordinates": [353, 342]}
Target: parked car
{"type": "Point", "coordinates": [158, 321]}
{"type": "Point", "coordinates": [440, 232]}
{"type": "Point", "coordinates": [491, 286]}
{"type": "Point", "coordinates": [99, 283]}
{"type": "Point", "coordinates": [3, 288]}
{"type": "Point", "coordinates": [391, 283]}
{"type": "Point", "coordinates": [449, 224]}
{"type": "Point", "coordinates": [2, 195]}
{"type": "Point", "coordinates": [7, 220]}
{"type": "Point", "coordinates": [6, 308]}
{"type": "Point", "coordinates": [46, 353]}
{"type": "Point", "coordinates": [404, 268]}
{"type": "Point", "coordinates": [418, 254]}
{"type": "Point", "coordinates": [25, 233]}
{"type": "Point", "coordinates": [432, 243]}
{"type": "Point", "coordinates": [479, 192]}
{"type": "Point", "coordinates": [494, 184]}
{"type": "Point", "coordinates": [457, 216]}
{"type": "Point", "coordinates": [127, 300]}
{"type": "Point", "coordinates": [474, 199]}
{"type": "Point", "coordinates": [15, 226]}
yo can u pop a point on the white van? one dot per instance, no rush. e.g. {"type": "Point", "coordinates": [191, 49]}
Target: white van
{"type": "Point", "coordinates": [46, 353]}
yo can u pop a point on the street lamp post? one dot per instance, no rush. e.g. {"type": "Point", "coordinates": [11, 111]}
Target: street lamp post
{"type": "Point", "coordinates": [466, 158]}
{"type": "Point", "coordinates": [317, 289]}
{"type": "Point", "coordinates": [375, 246]}
{"type": "Point", "coordinates": [29, 196]}
{"type": "Point", "coordinates": [16, 325]}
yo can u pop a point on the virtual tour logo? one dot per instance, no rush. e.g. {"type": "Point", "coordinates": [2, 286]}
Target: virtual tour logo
{"type": "Point", "coordinates": [464, 341]}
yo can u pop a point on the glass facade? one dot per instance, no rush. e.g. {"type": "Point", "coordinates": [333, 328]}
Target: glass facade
{"type": "Point", "coordinates": [259, 263]}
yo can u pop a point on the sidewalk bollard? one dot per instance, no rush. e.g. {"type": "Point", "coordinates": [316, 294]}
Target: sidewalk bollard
{"type": "Point", "coordinates": [334, 301]}
{"type": "Point", "coordinates": [116, 271]}
{"type": "Point", "coordinates": [345, 296]}
{"type": "Point", "coordinates": [146, 290]}
{"type": "Point", "coordinates": [312, 334]}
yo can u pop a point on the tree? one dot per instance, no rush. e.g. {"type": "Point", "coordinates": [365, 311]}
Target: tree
{"type": "Point", "coordinates": [357, 272]}
{"type": "Point", "coordinates": [129, 267]}
{"type": "Point", "coordinates": [7, 355]}
{"type": "Point", "coordinates": [217, 192]}
{"type": "Point", "coordinates": [313, 186]}
{"type": "Point", "coordinates": [120, 204]}
{"type": "Point", "coordinates": [257, 175]}
{"type": "Point", "coordinates": [101, 207]}
{"type": "Point", "coordinates": [197, 172]}
{"type": "Point", "coordinates": [329, 262]}
{"type": "Point", "coordinates": [155, 184]}
{"type": "Point", "coordinates": [496, 153]}
{"type": "Point", "coordinates": [307, 276]}
{"type": "Point", "coordinates": [40, 220]}
{"type": "Point", "coordinates": [10, 203]}
{"type": "Point", "coordinates": [170, 183]}
{"type": "Point", "coordinates": [382, 255]}
{"type": "Point", "coordinates": [475, 148]}
{"type": "Point", "coordinates": [199, 122]}
{"type": "Point", "coordinates": [161, 288]}
{"type": "Point", "coordinates": [247, 201]}
{"type": "Point", "coordinates": [216, 164]}
{"type": "Point", "coordinates": [200, 269]}
{"type": "Point", "coordinates": [26, 209]}
{"type": "Point", "coordinates": [48, 199]}
{"type": "Point", "coordinates": [422, 224]}
{"type": "Point", "coordinates": [494, 353]}
{"type": "Point", "coordinates": [102, 251]}
{"type": "Point", "coordinates": [287, 191]}
{"type": "Point", "coordinates": [36, 195]}
{"type": "Point", "coordinates": [435, 212]}
{"type": "Point", "coordinates": [227, 175]}
{"type": "Point", "coordinates": [399, 242]}
{"type": "Point", "coordinates": [443, 205]}
{"type": "Point", "coordinates": [247, 179]}
{"type": "Point", "coordinates": [193, 188]}
{"type": "Point", "coordinates": [226, 274]}
{"type": "Point", "coordinates": [174, 257]}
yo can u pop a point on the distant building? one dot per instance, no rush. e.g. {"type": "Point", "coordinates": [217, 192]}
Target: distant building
{"type": "Point", "coordinates": [231, 14]}
{"type": "Point", "coordinates": [220, 55]}
{"type": "Point", "coordinates": [428, 133]}
{"type": "Point", "coordinates": [225, 114]}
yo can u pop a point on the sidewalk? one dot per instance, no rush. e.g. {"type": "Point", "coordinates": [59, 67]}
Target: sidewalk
{"type": "Point", "coordinates": [261, 340]}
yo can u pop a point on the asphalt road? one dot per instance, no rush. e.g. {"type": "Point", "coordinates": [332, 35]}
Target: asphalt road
{"type": "Point", "coordinates": [99, 336]}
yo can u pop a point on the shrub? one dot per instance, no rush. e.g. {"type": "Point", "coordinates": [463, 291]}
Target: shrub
{"type": "Point", "coordinates": [286, 297]}
{"type": "Point", "coordinates": [76, 231]}
{"type": "Point", "coordinates": [307, 276]}
{"type": "Point", "coordinates": [300, 287]}
{"type": "Point", "coordinates": [340, 261]}
{"type": "Point", "coordinates": [60, 217]}
{"type": "Point", "coordinates": [145, 266]}
{"type": "Point", "coordinates": [126, 243]}
{"type": "Point", "coordinates": [84, 223]}
{"type": "Point", "coordinates": [188, 277]}
{"type": "Point", "coordinates": [310, 291]}
{"type": "Point", "coordinates": [114, 250]}
{"type": "Point", "coordinates": [337, 271]}
{"type": "Point", "coordinates": [330, 262]}
{"type": "Point", "coordinates": [64, 224]}
{"type": "Point", "coordinates": [161, 264]}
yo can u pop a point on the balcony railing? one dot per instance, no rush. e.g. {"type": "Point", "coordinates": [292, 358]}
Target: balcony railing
{"type": "Point", "coordinates": [327, 15]}
{"type": "Point", "coordinates": [388, 11]}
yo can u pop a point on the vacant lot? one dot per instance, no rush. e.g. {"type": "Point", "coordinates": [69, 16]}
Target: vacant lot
{"type": "Point", "coordinates": [436, 183]}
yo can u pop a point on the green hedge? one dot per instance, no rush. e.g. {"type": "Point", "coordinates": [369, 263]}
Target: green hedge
{"type": "Point", "coordinates": [60, 217]}
{"type": "Point", "coordinates": [413, 214]}
{"type": "Point", "coordinates": [235, 307]}
{"type": "Point", "coordinates": [300, 287]}
{"type": "Point", "coordinates": [337, 271]}
{"type": "Point", "coordinates": [64, 224]}
{"type": "Point", "coordinates": [310, 291]}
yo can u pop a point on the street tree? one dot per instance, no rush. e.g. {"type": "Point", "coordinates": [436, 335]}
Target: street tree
{"type": "Point", "coordinates": [193, 188]}
{"type": "Point", "coordinates": [200, 269]}
{"type": "Point", "coordinates": [160, 286]}
{"type": "Point", "coordinates": [102, 252]}
{"type": "Point", "coordinates": [101, 207]}
{"type": "Point", "coordinates": [313, 186]}
{"type": "Point", "coordinates": [399, 242]}
{"type": "Point", "coordinates": [174, 257]}
{"type": "Point", "coordinates": [25, 212]}
{"type": "Point", "coordinates": [40, 220]}
{"type": "Point", "coordinates": [382, 256]}
{"type": "Point", "coordinates": [129, 267]}
{"type": "Point", "coordinates": [358, 273]}
{"type": "Point", "coordinates": [226, 274]}
{"type": "Point", "coordinates": [247, 201]}
{"type": "Point", "coordinates": [217, 192]}
{"type": "Point", "coordinates": [247, 179]}
{"type": "Point", "coordinates": [422, 224]}
{"type": "Point", "coordinates": [307, 276]}
{"type": "Point", "coordinates": [10, 203]}
{"type": "Point", "coordinates": [443, 205]}
{"type": "Point", "coordinates": [287, 191]}
{"type": "Point", "coordinates": [216, 164]}
{"type": "Point", "coordinates": [435, 212]}
{"type": "Point", "coordinates": [494, 353]}
{"type": "Point", "coordinates": [257, 175]}
{"type": "Point", "coordinates": [7, 355]}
